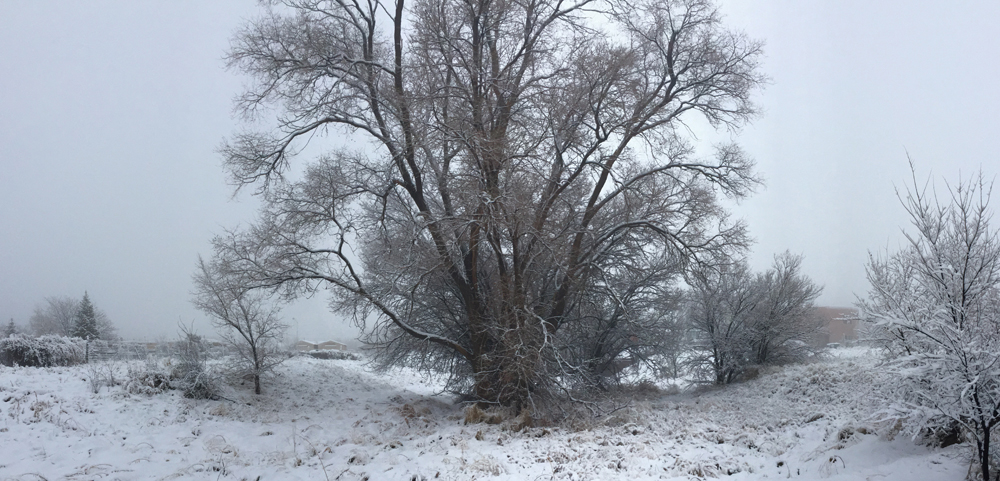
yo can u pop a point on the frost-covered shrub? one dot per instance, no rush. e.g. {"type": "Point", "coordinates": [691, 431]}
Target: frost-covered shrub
{"type": "Point", "coordinates": [148, 383]}
{"type": "Point", "coordinates": [94, 377]}
{"type": "Point", "coordinates": [44, 351]}
{"type": "Point", "coordinates": [475, 415]}
{"type": "Point", "coordinates": [103, 373]}
{"type": "Point", "coordinates": [191, 375]}
{"type": "Point", "coordinates": [644, 389]}
{"type": "Point", "coordinates": [942, 436]}
{"type": "Point", "coordinates": [199, 386]}
{"type": "Point", "coordinates": [183, 373]}
{"type": "Point", "coordinates": [334, 355]}
{"type": "Point", "coordinates": [146, 379]}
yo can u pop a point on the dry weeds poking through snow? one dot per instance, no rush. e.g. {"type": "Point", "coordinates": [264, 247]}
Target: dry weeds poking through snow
{"type": "Point", "coordinates": [334, 420]}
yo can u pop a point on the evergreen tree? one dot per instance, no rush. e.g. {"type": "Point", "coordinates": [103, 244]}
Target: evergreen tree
{"type": "Point", "coordinates": [11, 329]}
{"type": "Point", "coordinates": [86, 320]}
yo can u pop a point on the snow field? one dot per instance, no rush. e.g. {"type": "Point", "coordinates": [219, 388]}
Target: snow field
{"type": "Point", "coordinates": [335, 420]}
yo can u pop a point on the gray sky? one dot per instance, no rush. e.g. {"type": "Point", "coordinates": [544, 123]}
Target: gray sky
{"type": "Point", "coordinates": [110, 113]}
{"type": "Point", "coordinates": [856, 85]}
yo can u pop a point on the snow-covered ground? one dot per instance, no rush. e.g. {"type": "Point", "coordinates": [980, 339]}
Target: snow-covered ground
{"type": "Point", "coordinates": [324, 419]}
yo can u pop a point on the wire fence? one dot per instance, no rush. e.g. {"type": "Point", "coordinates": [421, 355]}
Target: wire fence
{"type": "Point", "coordinates": [99, 350]}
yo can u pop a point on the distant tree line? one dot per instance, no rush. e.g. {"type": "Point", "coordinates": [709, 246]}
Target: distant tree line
{"type": "Point", "coordinates": [66, 316]}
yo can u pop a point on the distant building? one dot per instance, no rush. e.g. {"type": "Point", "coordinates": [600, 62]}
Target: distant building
{"type": "Point", "coordinates": [332, 346]}
{"type": "Point", "coordinates": [303, 346]}
{"type": "Point", "coordinates": [840, 325]}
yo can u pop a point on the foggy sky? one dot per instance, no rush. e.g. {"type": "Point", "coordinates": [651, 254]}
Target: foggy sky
{"type": "Point", "coordinates": [110, 114]}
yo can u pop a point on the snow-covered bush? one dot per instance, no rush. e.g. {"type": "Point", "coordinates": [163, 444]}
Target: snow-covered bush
{"type": "Point", "coordinates": [936, 306]}
{"type": "Point", "coordinates": [334, 355]}
{"type": "Point", "coordinates": [190, 374]}
{"type": "Point", "coordinates": [145, 379]}
{"type": "Point", "coordinates": [94, 377]}
{"type": "Point", "coordinates": [44, 351]}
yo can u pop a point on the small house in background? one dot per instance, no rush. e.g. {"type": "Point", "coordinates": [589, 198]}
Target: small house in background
{"type": "Point", "coordinates": [332, 346]}
{"type": "Point", "coordinates": [840, 325]}
{"type": "Point", "coordinates": [304, 346]}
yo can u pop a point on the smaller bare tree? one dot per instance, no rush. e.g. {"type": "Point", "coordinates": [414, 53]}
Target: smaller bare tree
{"type": "Point", "coordinates": [56, 317]}
{"type": "Point", "coordinates": [785, 324]}
{"type": "Point", "coordinates": [739, 319]}
{"type": "Point", "coordinates": [245, 318]}
{"type": "Point", "coordinates": [935, 306]}
{"type": "Point", "coordinates": [719, 311]}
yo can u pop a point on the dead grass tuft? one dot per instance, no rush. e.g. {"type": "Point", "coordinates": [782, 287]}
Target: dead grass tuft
{"type": "Point", "coordinates": [475, 415]}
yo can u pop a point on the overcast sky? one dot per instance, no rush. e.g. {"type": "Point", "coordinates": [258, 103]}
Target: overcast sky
{"type": "Point", "coordinates": [111, 111]}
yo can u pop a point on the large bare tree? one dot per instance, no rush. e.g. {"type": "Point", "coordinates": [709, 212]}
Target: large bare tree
{"type": "Point", "coordinates": [508, 171]}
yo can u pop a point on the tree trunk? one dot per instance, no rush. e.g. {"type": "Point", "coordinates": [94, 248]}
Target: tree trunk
{"type": "Point", "coordinates": [504, 381]}
{"type": "Point", "coordinates": [509, 369]}
{"type": "Point", "coordinates": [984, 452]}
{"type": "Point", "coordinates": [256, 383]}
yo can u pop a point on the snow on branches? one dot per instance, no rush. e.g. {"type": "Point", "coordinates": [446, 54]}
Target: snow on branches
{"type": "Point", "coordinates": [935, 307]}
